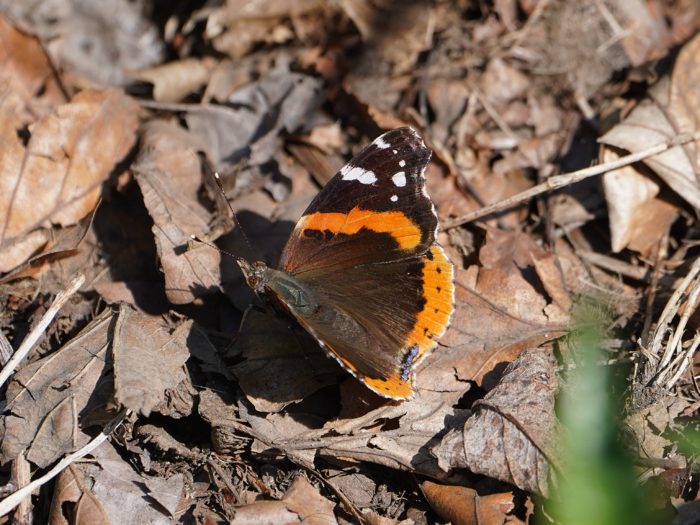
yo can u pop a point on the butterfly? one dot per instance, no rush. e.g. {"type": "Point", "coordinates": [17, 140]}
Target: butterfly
{"type": "Point", "coordinates": [362, 271]}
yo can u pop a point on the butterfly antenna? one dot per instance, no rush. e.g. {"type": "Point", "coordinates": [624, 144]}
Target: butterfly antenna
{"type": "Point", "coordinates": [194, 239]}
{"type": "Point", "coordinates": [217, 179]}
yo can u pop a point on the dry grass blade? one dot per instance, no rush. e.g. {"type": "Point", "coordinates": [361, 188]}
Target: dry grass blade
{"type": "Point", "coordinates": [15, 498]}
{"type": "Point", "coordinates": [675, 355]}
{"type": "Point", "coordinates": [39, 329]}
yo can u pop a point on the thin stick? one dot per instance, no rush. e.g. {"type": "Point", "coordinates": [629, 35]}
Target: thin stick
{"type": "Point", "coordinates": [567, 179]}
{"type": "Point", "coordinates": [14, 499]}
{"type": "Point", "coordinates": [39, 329]}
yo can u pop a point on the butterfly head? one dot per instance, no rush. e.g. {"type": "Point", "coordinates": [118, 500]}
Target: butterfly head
{"type": "Point", "coordinates": [256, 274]}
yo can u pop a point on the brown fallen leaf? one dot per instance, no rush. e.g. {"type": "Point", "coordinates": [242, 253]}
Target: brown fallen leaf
{"type": "Point", "coordinates": [168, 172]}
{"type": "Point", "coordinates": [512, 435]}
{"type": "Point", "coordinates": [502, 82]}
{"type": "Point", "coordinates": [448, 98]}
{"type": "Point", "coordinates": [638, 217]}
{"type": "Point", "coordinates": [63, 243]}
{"type": "Point", "coordinates": [175, 80]}
{"type": "Point", "coordinates": [26, 70]}
{"type": "Point", "coordinates": [72, 488]}
{"type": "Point", "coordinates": [396, 32]}
{"type": "Point", "coordinates": [282, 100]}
{"type": "Point", "coordinates": [49, 399]}
{"type": "Point", "coordinates": [672, 108]}
{"type": "Point", "coordinates": [464, 506]}
{"type": "Point", "coordinates": [281, 364]}
{"type": "Point", "coordinates": [128, 496]}
{"type": "Point", "coordinates": [240, 25]}
{"type": "Point", "coordinates": [56, 178]}
{"type": "Point", "coordinates": [149, 358]}
{"type": "Point", "coordinates": [302, 503]}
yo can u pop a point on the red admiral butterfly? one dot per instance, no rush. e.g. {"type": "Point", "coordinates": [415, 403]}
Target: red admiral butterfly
{"type": "Point", "coordinates": [362, 271]}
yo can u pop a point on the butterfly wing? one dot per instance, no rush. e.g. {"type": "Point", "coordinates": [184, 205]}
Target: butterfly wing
{"type": "Point", "coordinates": [375, 209]}
{"type": "Point", "coordinates": [380, 320]}
{"type": "Point", "coordinates": [365, 251]}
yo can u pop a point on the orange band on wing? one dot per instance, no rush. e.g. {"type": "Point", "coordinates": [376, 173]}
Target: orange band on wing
{"type": "Point", "coordinates": [438, 293]}
{"type": "Point", "coordinates": [393, 387]}
{"type": "Point", "coordinates": [403, 230]}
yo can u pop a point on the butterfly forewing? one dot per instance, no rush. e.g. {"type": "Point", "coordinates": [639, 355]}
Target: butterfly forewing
{"type": "Point", "coordinates": [380, 191]}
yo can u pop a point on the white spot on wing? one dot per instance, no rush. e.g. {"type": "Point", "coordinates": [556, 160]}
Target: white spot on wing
{"type": "Point", "coordinates": [402, 163]}
{"type": "Point", "coordinates": [395, 151]}
{"type": "Point", "coordinates": [350, 172]}
{"type": "Point", "coordinates": [379, 142]}
{"type": "Point", "coordinates": [394, 198]}
{"type": "Point", "coordinates": [399, 179]}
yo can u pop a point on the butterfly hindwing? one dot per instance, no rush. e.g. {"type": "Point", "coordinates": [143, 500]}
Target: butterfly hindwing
{"type": "Point", "coordinates": [380, 320]}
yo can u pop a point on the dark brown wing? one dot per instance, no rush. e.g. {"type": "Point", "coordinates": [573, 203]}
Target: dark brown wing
{"type": "Point", "coordinates": [381, 190]}
{"type": "Point", "coordinates": [364, 254]}
{"type": "Point", "coordinates": [380, 320]}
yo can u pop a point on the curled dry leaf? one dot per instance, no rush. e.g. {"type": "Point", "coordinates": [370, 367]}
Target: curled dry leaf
{"type": "Point", "coordinates": [56, 178]}
{"type": "Point", "coordinates": [168, 172]}
{"type": "Point", "coordinates": [464, 506]}
{"type": "Point", "coordinates": [149, 357]}
{"type": "Point", "coordinates": [49, 399]}
{"type": "Point", "coordinates": [512, 436]}
{"type": "Point", "coordinates": [175, 80]}
{"type": "Point", "coordinates": [502, 83]}
{"type": "Point", "coordinates": [280, 101]}
{"type": "Point", "coordinates": [302, 503]}
{"type": "Point", "coordinates": [674, 108]}
{"type": "Point", "coordinates": [239, 25]}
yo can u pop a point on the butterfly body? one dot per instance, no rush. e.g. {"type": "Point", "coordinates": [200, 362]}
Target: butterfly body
{"type": "Point", "coordinates": [362, 271]}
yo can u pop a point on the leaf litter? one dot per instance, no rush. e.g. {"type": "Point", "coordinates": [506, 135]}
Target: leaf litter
{"type": "Point", "coordinates": [234, 413]}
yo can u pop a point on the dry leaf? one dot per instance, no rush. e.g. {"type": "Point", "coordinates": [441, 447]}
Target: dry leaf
{"type": "Point", "coordinates": [149, 357]}
{"type": "Point", "coordinates": [301, 504]}
{"type": "Point", "coordinates": [673, 108]}
{"type": "Point", "coordinates": [57, 177]}
{"type": "Point", "coordinates": [63, 243]}
{"type": "Point", "coordinates": [130, 497]}
{"type": "Point", "coordinates": [280, 101]}
{"type": "Point", "coordinates": [175, 80]}
{"type": "Point", "coordinates": [26, 70]}
{"type": "Point", "coordinates": [638, 218]}
{"type": "Point", "coordinates": [168, 173]}
{"type": "Point", "coordinates": [512, 436]}
{"type": "Point", "coordinates": [464, 506]}
{"type": "Point", "coordinates": [94, 40]}
{"type": "Point", "coordinates": [49, 399]}
{"type": "Point", "coordinates": [502, 83]}
{"type": "Point", "coordinates": [72, 488]}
